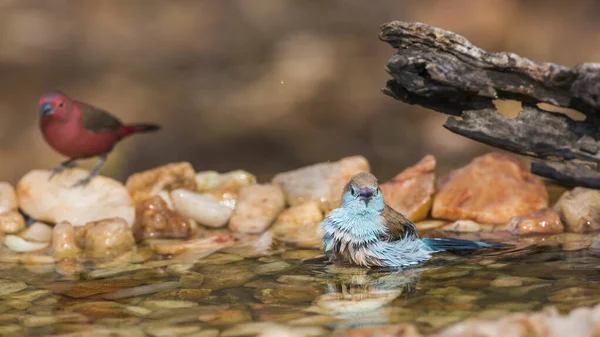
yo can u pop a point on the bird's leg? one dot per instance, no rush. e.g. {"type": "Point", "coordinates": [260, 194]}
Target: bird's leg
{"type": "Point", "coordinates": [64, 165]}
{"type": "Point", "coordinates": [93, 172]}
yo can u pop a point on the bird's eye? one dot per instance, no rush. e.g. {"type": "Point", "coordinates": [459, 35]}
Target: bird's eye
{"type": "Point", "coordinates": [60, 105]}
{"type": "Point", "coordinates": [353, 191]}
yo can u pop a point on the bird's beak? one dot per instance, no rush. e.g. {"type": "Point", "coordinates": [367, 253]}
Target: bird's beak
{"type": "Point", "coordinates": [365, 195]}
{"type": "Point", "coordinates": [45, 109]}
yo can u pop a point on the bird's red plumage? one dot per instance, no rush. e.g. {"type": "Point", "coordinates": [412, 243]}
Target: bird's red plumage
{"type": "Point", "coordinates": [67, 130]}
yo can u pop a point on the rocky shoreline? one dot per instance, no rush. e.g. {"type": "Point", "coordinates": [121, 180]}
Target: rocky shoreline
{"type": "Point", "coordinates": [171, 216]}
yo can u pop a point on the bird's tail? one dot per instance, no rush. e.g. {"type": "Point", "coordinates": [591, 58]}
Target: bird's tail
{"type": "Point", "coordinates": [458, 244]}
{"type": "Point", "coordinates": [130, 129]}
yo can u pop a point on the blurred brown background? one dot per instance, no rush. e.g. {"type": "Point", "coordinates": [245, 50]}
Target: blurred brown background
{"type": "Point", "coordinates": [263, 85]}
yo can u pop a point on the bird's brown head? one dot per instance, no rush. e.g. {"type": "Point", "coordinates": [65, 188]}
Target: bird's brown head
{"type": "Point", "coordinates": [54, 105]}
{"type": "Point", "coordinates": [362, 187]}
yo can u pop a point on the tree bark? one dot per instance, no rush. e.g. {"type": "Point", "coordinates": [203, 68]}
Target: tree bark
{"type": "Point", "coordinates": [443, 71]}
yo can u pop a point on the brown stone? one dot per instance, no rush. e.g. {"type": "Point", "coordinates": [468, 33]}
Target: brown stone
{"type": "Point", "coordinates": [154, 219]}
{"type": "Point", "coordinates": [491, 189]}
{"type": "Point", "coordinates": [546, 221]}
{"type": "Point", "coordinates": [182, 295]}
{"type": "Point", "coordinates": [11, 222]}
{"type": "Point", "coordinates": [144, 185]}
{"type": "Point", "coordinates": [83, 289]}
{"type": "Point", "coordinates": [106, 238]}
{"type": "Point", "coordinates": [580, 210]}
{"type": "Point", "coordinates": [411, 191]}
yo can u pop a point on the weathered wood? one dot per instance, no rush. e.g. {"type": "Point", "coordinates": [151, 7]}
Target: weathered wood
{"type": "Point", "coordinates": [443, 71]}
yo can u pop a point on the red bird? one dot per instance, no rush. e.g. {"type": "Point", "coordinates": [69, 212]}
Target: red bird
{"type": "Point", "coordinates": [78, 131]}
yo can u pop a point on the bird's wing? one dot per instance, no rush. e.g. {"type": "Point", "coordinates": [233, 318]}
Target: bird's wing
{"type": "Point", "coordinates": [398, 227]}
{"type": "Point", "coordinates": [94, 119]}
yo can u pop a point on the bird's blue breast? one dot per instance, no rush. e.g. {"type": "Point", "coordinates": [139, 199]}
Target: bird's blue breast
{"type": "Point", "coordinates": [356, 237]}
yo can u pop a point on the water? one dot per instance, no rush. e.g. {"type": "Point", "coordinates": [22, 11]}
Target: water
{"type": "Point", "coordinates": [235, 296]}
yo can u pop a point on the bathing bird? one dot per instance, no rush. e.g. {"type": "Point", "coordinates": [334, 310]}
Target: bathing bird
{"type": "Point", "coordinates": [365, 231]}
{"type": "Point", "coordinates": [79, 131]}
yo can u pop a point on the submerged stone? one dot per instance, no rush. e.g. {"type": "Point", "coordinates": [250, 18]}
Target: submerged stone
{"type": "Point", "coordinates": [546, 221]}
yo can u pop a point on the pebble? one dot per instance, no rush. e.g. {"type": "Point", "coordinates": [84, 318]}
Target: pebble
{"type": "Point", "coordinates": [220, 258]}
{"type": "Point", "coordinates": [144, 185]}
{"type": "Point", "coordinates": [167, 304]}
{"type": "Point", "coordinates": [155, 330]}
{"type": "Point", "coordinates": [11, 222]}
{"type": "Point", "coordinates": [232, 316]}
{"type": "Point", "coordinates": [411, 191]}
{"type": "Point", "coordinates": [322, 182]}
{"type": "Point", "coordinates": [257, 207]}
{"type": "Point", "coordinates": [201, 245]}
{"type": "Point", "coordinates": [9, 287]}
{"type": "Point", "coordinates": [303, 254]}
{"type": "Point", "coordinates": [580, 209]}
{"type": "Point", "coordinates": [191, 279]}
{"type": "Point", "coordinates": [223, 187]}
{"type": "Point", "coordinates": [463, 226]}
{"type": "Point", "coordinates": [8, 198]}
{"type": "Point", "coordinates": [154, 220]}
{"type": "Point", "coordinates": [56, 200]}
{"type": "Point", "coordinates": [300, 225]}
{"type": "Point", "coordinates": [507, 281]}
{"type": "Point", "coordinates": [273, 268]}
{"type": "Point", "coordinates": [108, 238]}
{"type": "Point", "coordinates": [38, 232]}
{"type": "Point", "coordinates": [202, 209]}
{"type": "Point", "coordinates": [546, 221]}
{"type": "Point", "coordinates": [64, 244]}
{"type": "Point", "coordinates": [182, 295]}
{"type": "Point", "coordinates": [287, 294]}
{"type": "Point", "coordinates": [491, 189]}
{"type": "Point", "coordinates": [429, 225]}
{"type": "Point", "coordinates": [19, 245]}
{"type": "Point", "coordinates": [216, 277]}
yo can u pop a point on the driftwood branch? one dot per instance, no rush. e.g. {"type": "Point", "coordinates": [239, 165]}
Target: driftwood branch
{"type": "Point", "coordinates": [443, 71]}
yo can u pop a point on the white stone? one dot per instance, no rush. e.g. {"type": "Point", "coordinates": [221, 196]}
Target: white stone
{"type": "Point", "coordinates": [38, 232]}
{"type": "Point", "coordinates": [199, 208]}
{"type": "Point", "coordinates": [8, 198]}
{"type": "Point", "coordinates": [57, 200]}
{"type": "Point", "coordinates": [17, 244]}
{"type": "Point", "coordinates": [257, 207]}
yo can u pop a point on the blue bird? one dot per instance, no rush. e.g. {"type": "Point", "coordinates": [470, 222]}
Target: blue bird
{"type": "Point", "coordinates": [367, 232]}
